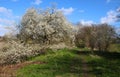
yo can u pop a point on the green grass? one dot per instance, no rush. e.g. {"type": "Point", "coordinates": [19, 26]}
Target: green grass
{"type": "Point", "coordinates": [105, 68]}
{"type": "Point", "coordinates": [57, 63]}
{"type": "Point", "coordinates": [115, 47]}
{"type": "Point", "coordinates": [108, 65]}
{"type": "Point", "coordinates": [68, 63]}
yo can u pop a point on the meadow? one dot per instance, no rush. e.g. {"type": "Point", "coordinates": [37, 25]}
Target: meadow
{"type": "Point", "coordinates": [73, 63]}
{"type": "Point", "coordinates": [47, 44]}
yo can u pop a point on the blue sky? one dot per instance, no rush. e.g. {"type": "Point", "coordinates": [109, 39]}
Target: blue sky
{"type": "Point", "coordinates": [84, 11]}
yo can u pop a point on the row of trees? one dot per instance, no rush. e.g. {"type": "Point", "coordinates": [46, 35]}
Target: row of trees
{"type": "Point", "coordinates": [96, 36]}
{"type": "Point", "coordinates": [50, 26]}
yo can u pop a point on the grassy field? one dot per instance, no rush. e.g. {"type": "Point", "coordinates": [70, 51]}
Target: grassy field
{"type": "Point", "coordinates": [73, 63]}
{"type": "Point", "coordinates": [115, 47]}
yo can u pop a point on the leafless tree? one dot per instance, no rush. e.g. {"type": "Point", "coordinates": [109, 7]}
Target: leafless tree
{"type": "Point", "coordinates": [105, 36]}
{"type": "Point", "coordinates": [97, 36]}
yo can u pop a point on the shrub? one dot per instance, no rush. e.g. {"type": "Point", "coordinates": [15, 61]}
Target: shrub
{"type": "Point", "coordinates": [17, 52]}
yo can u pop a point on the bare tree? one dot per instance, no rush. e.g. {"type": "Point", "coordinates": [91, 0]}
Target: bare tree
{"type": "Point", "coordinates": [105, 35]}
{"type": "Point", "coordinates": [96, 36]}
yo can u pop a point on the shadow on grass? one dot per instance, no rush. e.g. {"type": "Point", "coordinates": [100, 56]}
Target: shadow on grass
{"type": "Point", "coordinates": [80, 52]}
{"type": "Point", "coordinates": [104, 54]}
{"type": "Point", "coordinates": [108, 65]}
{"type": "Point", "coordinates": [66, 63]}
{"type": "Point", "coordinates": [108, 55]}
{"type": "Point", "coordinates": [104, 67]}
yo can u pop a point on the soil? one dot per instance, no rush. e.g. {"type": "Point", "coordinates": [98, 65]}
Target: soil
{"type": "Point", "coordinates": [85, 68]}
{"type": "Point", "coordinates": [10, 70]}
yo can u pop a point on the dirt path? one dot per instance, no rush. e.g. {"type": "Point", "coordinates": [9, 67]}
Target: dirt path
{"type": "Point", "coordinates": [85, 68]}
{"type": "Point", "coordinates": [10, 70]}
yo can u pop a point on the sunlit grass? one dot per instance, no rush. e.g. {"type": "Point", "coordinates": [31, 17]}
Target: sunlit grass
{"type": "Point", "coordinates": [68, 63]}
{"type": "Point", "coordinates": [57, 63]}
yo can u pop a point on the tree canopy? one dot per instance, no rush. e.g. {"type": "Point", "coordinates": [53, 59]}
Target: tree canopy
{"type": "Point", "coordinates": [47, 26]}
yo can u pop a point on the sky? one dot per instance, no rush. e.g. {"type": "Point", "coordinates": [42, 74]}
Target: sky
{"type": "Point", "coordinates": [83, 11]}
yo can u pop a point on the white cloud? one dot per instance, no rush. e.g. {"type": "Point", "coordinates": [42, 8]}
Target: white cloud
{"type": "Point", "coordinates": [108, 1]}
{"type": "Point", "coordinates": [6, 16]}
{"type": "Point", "coordinates": [118, 10]}
{"type": "Point", "coordinates": [5, 11]}
{"type": "Point", "coordinates": [81, 11]}
{"type": "Point", "coordinates": [6, 26]}
{"type": "Point", "coordinates": [113, 1]}
{"type": "Point", "coordinates": [7, 30]}
{"type": "Point", "coordinates": [86, 23]}
{"type": "Point", "coordinates": [3, 30]}
{"type": "Point", "coordinates": [7, 19]}
{"type": "Point", "coordinates": [67, 11]}
{"type": "Point", "coordinates": [6, 22]}
{"type": "Point", "coordinates": [110, 18]}
{"type": "Point", "coordinates": [37, 2]}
